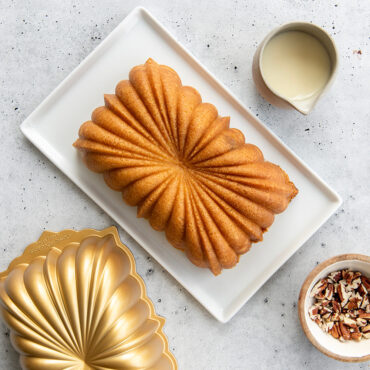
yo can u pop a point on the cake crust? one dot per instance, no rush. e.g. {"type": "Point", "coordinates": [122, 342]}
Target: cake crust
{"type": "Point", "coordinates": [187, 172]}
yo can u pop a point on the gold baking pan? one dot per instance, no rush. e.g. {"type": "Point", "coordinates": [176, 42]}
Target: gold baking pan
{"type": "Point", "coordinates": [73, 300]}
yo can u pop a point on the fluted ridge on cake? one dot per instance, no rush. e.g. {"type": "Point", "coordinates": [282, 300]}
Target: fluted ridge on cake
{"type": "Point", "coordinates": [187, 172]}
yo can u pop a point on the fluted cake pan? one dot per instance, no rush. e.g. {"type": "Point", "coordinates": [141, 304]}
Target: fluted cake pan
{"type": "Point", "coordinates": [73, 300]}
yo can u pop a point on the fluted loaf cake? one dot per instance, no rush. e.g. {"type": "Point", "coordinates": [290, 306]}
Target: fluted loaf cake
{"type": "Point", "coordinates": [185, 169]}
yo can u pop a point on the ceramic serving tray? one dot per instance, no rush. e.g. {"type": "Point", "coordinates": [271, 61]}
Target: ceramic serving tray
{"type": "Point", "coordinates": [53, 127]}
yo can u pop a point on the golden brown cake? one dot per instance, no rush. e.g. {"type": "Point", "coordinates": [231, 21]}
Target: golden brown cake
{"type": "Point", "coordinates": [187, 172]}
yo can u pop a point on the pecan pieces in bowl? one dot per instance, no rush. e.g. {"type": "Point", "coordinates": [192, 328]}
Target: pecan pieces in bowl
{"type": "Point", "coordinates": [342, 305]}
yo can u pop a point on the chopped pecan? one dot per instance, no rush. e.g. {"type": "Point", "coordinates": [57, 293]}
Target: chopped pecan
{"type": "Point", "coordinates": [362, 289]}
{"type": "Point", "coordinates": [334, 331]}
{"type": "Point", "coordinates": [325, 303]}
{"type": "Point", "coordinates": [325, 310]}
{"type": "Point", "coordinates": [351, 276]}
{"type": "Point", "coordinates": [336, 306]}
{"type": "Point", "coordinates": [361, 322]}
{"type": "Point", "coordinates": [336, 276]}
{"type": "Point", "coordinates": [364, 315]}
{"type": "Point", "coordinates": [350, 322]}
{"type": "Point", "coordinates": [356, 336]}
{"type": "Point", "coordinates": [354, 284]}
{"type": "Point", "coordinates": [335, 317]}
{"type": "Point", "coordinates": [366, 282]}
{"type": "Point", "coordinates": [348, 276]}
{"type": "Point", "coordinates": [329, 292]}
{"type": "Point", "coordinates": [343, 295]}
{"type": "Point", "coordinates": [313, 311]}
{"type": "Point", "coordinates": [354, 302]}
{"type": "Point", "coordinates": [366, 331]}
{"type": "Point", "coordinates": [365, 303]}
{"type": "Point", "coordinates": [319, 288]}
{"type": "Point", "coordinates": [344, 331]}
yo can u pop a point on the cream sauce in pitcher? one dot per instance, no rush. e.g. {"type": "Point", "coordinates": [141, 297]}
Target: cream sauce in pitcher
{"type": "Point", "coordinates": [297, 66]}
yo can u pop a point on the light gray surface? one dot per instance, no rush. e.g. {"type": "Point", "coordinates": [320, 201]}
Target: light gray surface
{"type": "Point", "coordinates": [42, 41]}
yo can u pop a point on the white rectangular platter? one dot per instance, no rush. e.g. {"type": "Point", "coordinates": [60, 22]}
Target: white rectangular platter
{"type": "Point", "coordinates": [53, 127]}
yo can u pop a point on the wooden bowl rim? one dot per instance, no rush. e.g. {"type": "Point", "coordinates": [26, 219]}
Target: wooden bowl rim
{"type": "Point", "coordinates": [301, 300]}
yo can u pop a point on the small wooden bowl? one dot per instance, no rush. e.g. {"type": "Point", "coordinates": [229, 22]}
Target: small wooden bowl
{"type": "Point", "coordinates": [349, 351]}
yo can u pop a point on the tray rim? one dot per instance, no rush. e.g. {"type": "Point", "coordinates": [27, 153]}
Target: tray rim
{"type": "Point", "coordinates": [225, 314]}
{"type": "Point", "coordinates": [62, 239]}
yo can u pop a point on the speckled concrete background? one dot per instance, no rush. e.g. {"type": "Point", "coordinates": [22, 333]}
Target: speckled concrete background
{"type": "Point", "coordinates": [42, 41]}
